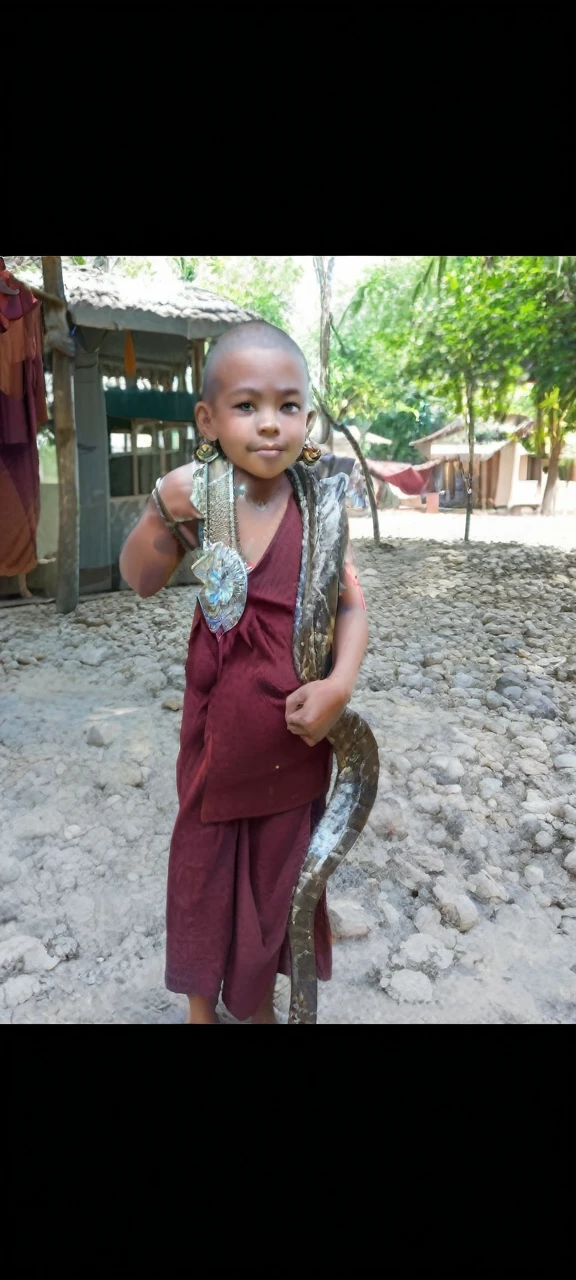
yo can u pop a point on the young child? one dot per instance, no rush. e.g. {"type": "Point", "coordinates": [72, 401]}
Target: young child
{"type": "Point", "coordinates": [254, 765]}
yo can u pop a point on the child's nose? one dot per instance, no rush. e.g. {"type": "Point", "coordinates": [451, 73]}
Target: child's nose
{"type": "Point", "coordinates": [268, 425]}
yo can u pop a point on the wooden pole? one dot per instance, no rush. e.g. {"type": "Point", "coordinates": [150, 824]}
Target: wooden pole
{"type": "Point", "coordinates": [65, 436]}
{"type": "Point", "coordinates": [471, 414]}
{"type": "Point", "coordinates": [197, 362]}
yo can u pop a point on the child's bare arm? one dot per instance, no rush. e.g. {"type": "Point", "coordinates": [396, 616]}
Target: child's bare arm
{"type": "Point", "coordinates": [152, 552]}
{"type": "Point", "coordinates": [312, 710]}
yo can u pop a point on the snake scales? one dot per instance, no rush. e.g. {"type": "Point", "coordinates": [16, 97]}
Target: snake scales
{"type": "Point", "coordinates": [324, 540]}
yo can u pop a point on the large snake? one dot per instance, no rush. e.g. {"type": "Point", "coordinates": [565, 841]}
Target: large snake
{"type": "Point", "coordinates": [324, 541]}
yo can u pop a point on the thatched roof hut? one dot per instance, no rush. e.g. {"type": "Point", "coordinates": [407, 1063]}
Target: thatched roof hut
{"type": "Point", "coordinates": [169, 320]}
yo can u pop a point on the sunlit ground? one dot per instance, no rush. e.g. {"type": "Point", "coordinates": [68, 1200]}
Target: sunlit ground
{"type": "Point", "coordinates": [448, 526]}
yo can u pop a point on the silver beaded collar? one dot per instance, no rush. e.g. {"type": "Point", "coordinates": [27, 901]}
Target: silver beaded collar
{"type": "Point", "coordinates": [219, 564]}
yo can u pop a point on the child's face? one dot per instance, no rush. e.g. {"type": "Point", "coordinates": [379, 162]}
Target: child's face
{"type": "Point", "coordinates": [259, 412]}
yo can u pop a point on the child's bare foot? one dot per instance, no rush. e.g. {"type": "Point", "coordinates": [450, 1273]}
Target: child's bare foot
{"type": "Point", "coordinates": [23, 588]}
{"type": "Point", "coordinates": [201, 1010]}
{"type": "Point", "coordinates": [265, 1011]}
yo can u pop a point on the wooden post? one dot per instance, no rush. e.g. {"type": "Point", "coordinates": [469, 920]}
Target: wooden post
{"type": "Point", "coordinates": [471, 415]}
{"type": "Point", "coordinates": [135, 478]}
{"type": "Point", "coordinates": [67, 589]}
{"type": "Point", "coordinates": [197, 362]}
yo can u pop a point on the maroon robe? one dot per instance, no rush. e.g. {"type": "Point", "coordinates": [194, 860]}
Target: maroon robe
{"type": "Point", "coordinates": [22, 411]}
{"type": "Point", "coordinates": [250, 794]}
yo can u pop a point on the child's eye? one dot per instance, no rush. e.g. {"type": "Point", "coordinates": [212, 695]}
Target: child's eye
{"type": "Point", "coordinates": [291, 405]}
{"type": "Point", "coordinates": [244, 405]}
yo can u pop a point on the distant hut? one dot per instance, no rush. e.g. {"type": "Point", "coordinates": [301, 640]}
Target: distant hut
{"type": "Point", "coordinates": [506, 476]}
{"type": "Point", "coordinates": [149, 337]}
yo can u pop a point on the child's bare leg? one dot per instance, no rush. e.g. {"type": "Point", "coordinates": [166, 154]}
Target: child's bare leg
{"type": "Point", "coordinates": [23, 587]}
{"type": "Point", "coordinates": [201, 1009]}
{"type": "Point", "coordinates": [265, 1010]}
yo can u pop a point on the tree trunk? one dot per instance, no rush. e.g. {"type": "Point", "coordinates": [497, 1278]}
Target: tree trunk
{"type": "Point", "coordinates": [324, 269]}
{"type": "Point", "coordinates": [471, 414]}
{"type": "Point", "coordinates": [339, 426]}
{"type": "Point", "coordinates": [66, 453]}
{"type": "Point", "coordinates": [549, 499]}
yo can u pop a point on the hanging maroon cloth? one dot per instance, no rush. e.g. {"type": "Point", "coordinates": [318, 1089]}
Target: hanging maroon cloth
{"type": "Point", "coordinates": [22, 411]}
{"type": "Point", "coordinates": [250, 793]}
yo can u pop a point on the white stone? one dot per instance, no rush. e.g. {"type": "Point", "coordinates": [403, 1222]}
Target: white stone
{"type": "Point", "coordinates": [533, 874]}
{"type": "Point", "coordinates": [65, 947]}
{"type": "Point", "coordinates": [391, 915]}
{"type": "Point", "coordinates": [18, 990]}
{"type": "Point", "coordinates": [10, 870]}
{"type": "Point", "coordinates": [39, 823]}
{"type": "Point", "coordinates": [410, 986]}
{"type": "Point", "coordinates": [428, 919]}
{"type": "Point", "coordinates": [544, 839]}
{"type": "Point", "coordinates": [455, 907]}
{"type": "Point", "coordinates": [100, 735]}
{"type": "Point", "coordinates": [24, 954]}
{"type": "Point", "coordinates": [93, 655]}
{"type": "Point", "coordinates": [538, 806]}
{"type": "Point", "coordinates": [484, 887]}
{"type": "Point", "coordinates": [429, 861]}
{"type": "Point", "coordinates": [120, 774]}
{"type": "Point", "coordinates": [570, 863]}
{"type": "Point", "coordinates": [565, 761]}
{"type": "Point", "coordinates": [428, 803]}
{"type": "Point", "coordinates": [446, 769]}
{"type": "Point", "coordinates": [490, 787]}
{"type": "Point", "coordinates": [423, 950]}
{"type": "Point", "coordinates": [348, 920]}
{"type": "Point", "coordinates": [387, 818]}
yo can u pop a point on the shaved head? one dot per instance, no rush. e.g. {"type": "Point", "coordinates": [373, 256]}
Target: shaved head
{"type": "Point", "coordinates": [252, 335]}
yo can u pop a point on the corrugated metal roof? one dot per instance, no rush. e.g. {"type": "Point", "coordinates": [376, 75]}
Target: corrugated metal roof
{"type": "Point", "coordinates": [106, 300]}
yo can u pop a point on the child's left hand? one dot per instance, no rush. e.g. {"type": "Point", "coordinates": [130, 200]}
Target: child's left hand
{"type": "Point", "coordinates": [314, 708]}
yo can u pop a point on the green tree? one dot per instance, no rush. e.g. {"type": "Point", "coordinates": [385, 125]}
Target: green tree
{"type": "Point", "coordinates": [548, 287]}
{"type": "Point", "coordinates": [186, 268]}
{"type": "Point", "coordinates": [264, 285]}
{"type": "Point", "coordinates": [408, 421]}
{"type": "Point", "coordinates": [468, 344]}
{"type": "Point", "coordinates": [370, 337]}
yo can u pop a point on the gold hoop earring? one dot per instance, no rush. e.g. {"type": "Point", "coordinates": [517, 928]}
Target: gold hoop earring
{"type": "Point", "coordinates": [207, 450]}
{"type": "Point", "coordinates": [311, 454]}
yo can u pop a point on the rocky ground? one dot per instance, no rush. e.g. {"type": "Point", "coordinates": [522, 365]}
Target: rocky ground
{"type": "Point", "coordinates": [459, 902]}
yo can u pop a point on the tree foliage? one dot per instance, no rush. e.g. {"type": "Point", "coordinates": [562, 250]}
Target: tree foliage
{"type": "Point", "coordinates": [262, 284]}
{"type": "Point", "coordinates": [494, 323]}
{"type": "Point", "coordinates": [406, 422]}
{"type": "Point", "coordinates": [367, 377]}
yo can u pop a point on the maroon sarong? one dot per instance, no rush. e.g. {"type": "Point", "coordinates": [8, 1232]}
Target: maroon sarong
{"type": "Point", "coordinates": [22, 411]}
{"type": "Point", "coordinates": [250, 793]}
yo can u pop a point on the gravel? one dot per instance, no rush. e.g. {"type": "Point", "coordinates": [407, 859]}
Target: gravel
{"type": "Point", "coordinates": [453, 907]}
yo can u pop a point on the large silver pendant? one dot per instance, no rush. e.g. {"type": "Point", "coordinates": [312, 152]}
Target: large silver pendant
{"type": "Point", "coordinates": [224, 578]}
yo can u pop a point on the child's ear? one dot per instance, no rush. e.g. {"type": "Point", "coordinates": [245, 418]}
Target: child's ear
{"type": "Point", "coordinates": [310, 419]}
{"type": "Point", "coordinates": [204, 419]}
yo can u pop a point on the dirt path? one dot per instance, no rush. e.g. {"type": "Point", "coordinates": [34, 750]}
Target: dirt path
{"type": "Point", "coordinates": [458, 904]}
